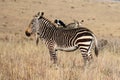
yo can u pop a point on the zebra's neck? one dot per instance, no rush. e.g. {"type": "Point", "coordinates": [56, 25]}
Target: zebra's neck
{"type": "Point", "coordinates": [46, 28]}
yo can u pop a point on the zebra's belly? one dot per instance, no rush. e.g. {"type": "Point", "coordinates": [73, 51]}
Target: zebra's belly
{"type": "Point", "coordinates": [67, 49]}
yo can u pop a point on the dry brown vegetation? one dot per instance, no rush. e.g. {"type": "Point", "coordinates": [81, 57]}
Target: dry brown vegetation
{"type": "Point", "coordinates": [21, 59]}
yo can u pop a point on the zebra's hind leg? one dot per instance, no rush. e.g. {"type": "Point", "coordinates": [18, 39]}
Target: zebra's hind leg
{"type": "Point", "coordinates": [87, 56]}
{"type": "Point", "coordinates": [86, 53]}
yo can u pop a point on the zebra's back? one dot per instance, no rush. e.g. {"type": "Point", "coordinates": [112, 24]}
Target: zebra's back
{"type": "Point", "coordinates": [67, 38]}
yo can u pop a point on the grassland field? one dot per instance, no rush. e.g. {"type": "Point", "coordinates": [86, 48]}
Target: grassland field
{"type": "Point", "coordinates": [21, 59]}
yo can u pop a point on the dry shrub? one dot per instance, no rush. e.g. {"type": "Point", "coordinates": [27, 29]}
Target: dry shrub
{"type": "Point", "coordinates": [112, 44]}
{"type": "Point", "coordinates": [102, 43]}
{"type": "Point", "coordinates": [21, 59]}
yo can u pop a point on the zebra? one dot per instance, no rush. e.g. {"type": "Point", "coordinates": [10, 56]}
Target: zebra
{"type": "Point", "coordinates": [63, 39]}
{"type": "Point", "coordinates": [75, 24]}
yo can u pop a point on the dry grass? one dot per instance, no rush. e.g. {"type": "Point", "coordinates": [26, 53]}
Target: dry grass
{"type": "Point", "coordinates": [21, 59]}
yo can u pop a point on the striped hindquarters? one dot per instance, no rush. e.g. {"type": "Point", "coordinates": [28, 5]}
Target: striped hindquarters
{"type": "Point", "coordinates": [84, 40]}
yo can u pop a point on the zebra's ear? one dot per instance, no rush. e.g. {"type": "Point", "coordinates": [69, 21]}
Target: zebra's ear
{"type": "Point", "coordinates": [42, 13]}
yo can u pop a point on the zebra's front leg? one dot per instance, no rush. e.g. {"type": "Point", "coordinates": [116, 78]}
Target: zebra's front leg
{"type": "Point", "coordinates": [53, 56]}
{"type": "Point", "coordinates": [52, 51]}
{"type": "Point", "coordinates": [37, 41]}
{"type": "Point", "coordinates": [37, 38]}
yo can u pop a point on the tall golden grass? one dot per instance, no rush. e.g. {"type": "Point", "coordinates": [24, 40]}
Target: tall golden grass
{"type": "Point", "coordinates": [21, 59]}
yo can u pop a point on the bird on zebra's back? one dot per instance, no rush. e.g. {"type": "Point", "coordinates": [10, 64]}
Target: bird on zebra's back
{"type": "Point", "coordinates": [63, 39]}
{"type": "Point", "coordinates": [72, 25]}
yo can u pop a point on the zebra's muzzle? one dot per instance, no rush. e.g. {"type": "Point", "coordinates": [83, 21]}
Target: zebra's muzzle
{"type": "Point", "coordinates": [27, 33]}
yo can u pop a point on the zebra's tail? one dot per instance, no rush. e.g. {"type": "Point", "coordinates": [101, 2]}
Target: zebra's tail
{"type": "Point", "coordinates": [96, 50]}
{"type": "Point", "coordinates": [96, 47]}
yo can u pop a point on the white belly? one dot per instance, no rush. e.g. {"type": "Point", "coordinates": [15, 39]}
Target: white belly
{"type": "Point", "coordinates": [68, 49]}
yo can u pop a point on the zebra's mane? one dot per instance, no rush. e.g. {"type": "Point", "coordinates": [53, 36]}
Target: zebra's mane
{"type": "Point", "coordinates": [48, 21]}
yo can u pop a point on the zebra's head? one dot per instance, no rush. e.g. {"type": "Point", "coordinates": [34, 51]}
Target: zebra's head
{"type": "Point", "coordinates": [34, 24]}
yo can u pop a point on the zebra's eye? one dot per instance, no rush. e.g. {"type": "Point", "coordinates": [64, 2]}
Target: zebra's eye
{"type": "Point", "coordinates": [37, 33]}
{"type": "Point", "coordinates": [31, 22]}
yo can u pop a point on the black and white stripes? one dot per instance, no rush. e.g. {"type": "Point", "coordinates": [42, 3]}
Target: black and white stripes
{"type": "Point", "coordinates": [63, 39]}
